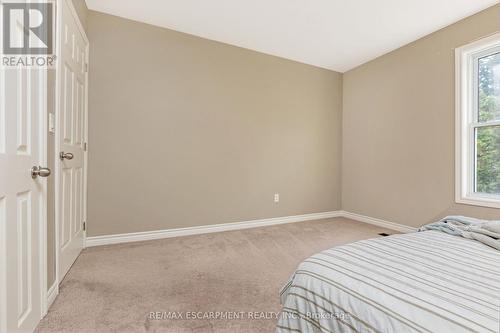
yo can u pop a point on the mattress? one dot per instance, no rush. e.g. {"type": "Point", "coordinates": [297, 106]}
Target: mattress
{"type": "Point", "coordinates": [418, 282]}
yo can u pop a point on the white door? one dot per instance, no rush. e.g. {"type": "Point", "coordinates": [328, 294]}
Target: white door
{"type": "Point", "coordinates": [22, 198]}
{"type": "Point", "coordinates": [71, 136]}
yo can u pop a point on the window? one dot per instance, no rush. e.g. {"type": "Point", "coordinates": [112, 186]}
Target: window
{"type": "Point", "coordinates": [478, 123]}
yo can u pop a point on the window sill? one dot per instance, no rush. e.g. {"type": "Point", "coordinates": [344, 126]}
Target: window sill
{"type": "Point", "coordinates": [490, 202]}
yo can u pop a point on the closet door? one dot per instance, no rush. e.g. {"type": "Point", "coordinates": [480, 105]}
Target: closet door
{"type": "Point", "coordinates": [72, 94]}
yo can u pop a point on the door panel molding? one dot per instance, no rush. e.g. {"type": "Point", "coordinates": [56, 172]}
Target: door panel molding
{"type": "Point", "coordinates": [24, 259]}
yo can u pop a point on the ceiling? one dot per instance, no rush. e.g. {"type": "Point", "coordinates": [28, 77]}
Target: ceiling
{"type": "Point", "coordinates": [333, 34]}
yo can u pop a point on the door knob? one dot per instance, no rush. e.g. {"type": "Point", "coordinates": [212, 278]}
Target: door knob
{"type": "Point", "coordinates": [39, 171]}
{"type": "Point", "coordinates": [67, 156]}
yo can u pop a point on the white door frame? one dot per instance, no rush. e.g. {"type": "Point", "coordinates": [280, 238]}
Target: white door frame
{"type": "Point", "coordinates": [44, 201]}
{"type": "Point", "coordinates": [57, 164]}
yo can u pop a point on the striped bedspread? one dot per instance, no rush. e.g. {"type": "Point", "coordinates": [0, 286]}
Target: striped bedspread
{"type": "Point", "coordinates": [419, 282]}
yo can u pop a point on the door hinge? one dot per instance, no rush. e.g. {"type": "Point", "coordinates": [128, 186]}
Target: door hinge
{"type": "Point", "coordinates": [86, 68]}
{"type": "Point", "coordinates": [84, 226]}
{"type": "Point", "coordinates": [85, 146]}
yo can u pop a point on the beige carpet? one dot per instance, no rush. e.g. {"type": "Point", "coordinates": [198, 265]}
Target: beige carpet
{"type": "Point", "coordinates": [114, 288]}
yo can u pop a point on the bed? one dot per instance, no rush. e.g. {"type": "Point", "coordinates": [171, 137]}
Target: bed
{"type": "Point", "coordinates": [419, 282]}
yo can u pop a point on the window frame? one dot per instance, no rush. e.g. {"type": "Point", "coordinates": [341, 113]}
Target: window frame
{"type": "Point", "coordinates": [466, 120]}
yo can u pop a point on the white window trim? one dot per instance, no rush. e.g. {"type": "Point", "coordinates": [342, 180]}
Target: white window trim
{"type": "Point", "coordinates": [466, 121]}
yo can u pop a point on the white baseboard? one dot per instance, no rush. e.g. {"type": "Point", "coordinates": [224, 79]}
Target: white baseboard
{"type": "Point", "coordinates": [52, 294]}
{"type": "Point", "coordinates": [378, 222]}
{"type": "Point", "coordinates": [168, 233]}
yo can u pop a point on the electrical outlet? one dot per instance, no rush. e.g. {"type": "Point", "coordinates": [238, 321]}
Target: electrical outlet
{"type": "Point", "coordinates": [276, 197]}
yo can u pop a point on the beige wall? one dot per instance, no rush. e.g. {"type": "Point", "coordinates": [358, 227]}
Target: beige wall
{"type": "Point", "coordinates": [184, 131]}
{"type": "Point", "coordinates": [398, 129]}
